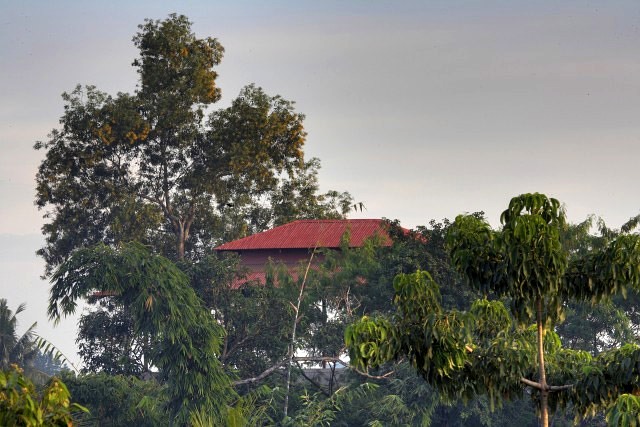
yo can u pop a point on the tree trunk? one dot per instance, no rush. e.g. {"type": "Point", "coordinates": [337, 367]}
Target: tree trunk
{"type": "Point", "coordinates": [180, 247]}
{"type": "Point", "coordinates": [544, 389]}
{"type": "Point", "coordinates": [182, 234]}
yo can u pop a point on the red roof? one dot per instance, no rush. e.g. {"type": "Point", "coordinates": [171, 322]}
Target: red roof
{"type": "Point", "coordinates": [309, 234]}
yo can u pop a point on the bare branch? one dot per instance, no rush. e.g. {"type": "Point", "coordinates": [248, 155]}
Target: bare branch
{"type": "Point", "coordinates": [560, 387]}
{"type": "Point", "coordinates": [373, 377]}
{"type": "Point", "coordinates": [299, 359]}
{"type": "Point", "coordinates": [548, 388]}
{"type": "Point", "coordinates": [319, 359]}
{"type": "Point", "coordinates": [263, 375]}
{"type": "Point", "coordinates": [531, 383]}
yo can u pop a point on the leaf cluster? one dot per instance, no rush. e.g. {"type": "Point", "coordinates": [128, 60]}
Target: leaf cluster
{"type": "Point", "coordinates": [20, 405]}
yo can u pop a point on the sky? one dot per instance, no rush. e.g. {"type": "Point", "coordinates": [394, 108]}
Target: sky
{"type": "Point", "coordinates": [420, 109]}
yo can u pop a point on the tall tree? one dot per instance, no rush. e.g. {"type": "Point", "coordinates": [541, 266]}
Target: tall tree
{"type": "Point", "coordinates": [482, 351]}
{"type": "Point", "coordinates": [165, 308]}
{"type": "Point", "coordinates": [149, 166]}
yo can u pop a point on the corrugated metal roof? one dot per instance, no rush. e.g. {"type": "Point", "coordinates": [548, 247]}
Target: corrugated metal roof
{"type": "Point", "coordinates": [309, 234]}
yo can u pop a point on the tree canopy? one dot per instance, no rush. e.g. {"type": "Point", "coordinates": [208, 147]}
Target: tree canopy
{"type": "Point", "coordinates": [482, 351]}
{"type": "Point", "coordinates": [137, 188]}
{"type": "Point", "coordinates": [163, 307]}
{"type": "Point", "coordinates": [150, 166]}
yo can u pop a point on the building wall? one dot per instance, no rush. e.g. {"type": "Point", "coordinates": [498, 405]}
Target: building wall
{"type": "Point", "coordinates": [256, 260]}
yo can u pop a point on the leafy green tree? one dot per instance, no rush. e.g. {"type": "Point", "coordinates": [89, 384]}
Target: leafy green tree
{"type": "Point", "coordinates": [107, 340]}
{"type": "Point", "coordinates": [152, 166]}
{"type": "Point", "coordinates": [465, 354]}
{"type": "Point", "coordinates": [595, 328]}
{"type": "Point", "coordinates": [149, 166]}
{"type": "Point", "coordinates": [299, 198]}
{"type": "Point", "coordinates": [606, 325]}
{"type": "Point", "coordinates": [118, 400]}
{"type": "Point", "coordinates": [163, 307]}
{"type": "Point", "coordinates": [256, 318]}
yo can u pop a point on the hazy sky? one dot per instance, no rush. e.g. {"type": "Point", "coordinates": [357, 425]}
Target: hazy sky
{"type": "Point", "coordinates": [421, 109]}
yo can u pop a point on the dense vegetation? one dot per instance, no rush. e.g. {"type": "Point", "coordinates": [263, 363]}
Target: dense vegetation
{"type": "Point", "coordinates": [490, 351]}
{"type": "Point", "coordinates": [138, 188]}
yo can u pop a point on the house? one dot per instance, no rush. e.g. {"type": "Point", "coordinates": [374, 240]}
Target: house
{"type": "Point", "coordinates": [293, 243]}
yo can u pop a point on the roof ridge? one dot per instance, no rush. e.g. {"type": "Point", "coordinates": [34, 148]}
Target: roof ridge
{"type": "Point", "coordinates": [334, 220]}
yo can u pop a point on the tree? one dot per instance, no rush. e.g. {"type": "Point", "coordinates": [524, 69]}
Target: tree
{"type": "Point", "coordinates": [256, 318]}
{"type": "Point", "coordinates": [165, 308]}
{"type": "Point", "coordinates": [299, 198]}
{"type": "Point", "coordinates": [147, 166]}
{"type": "Point", "coordinates": [14, 348]}
{"type": "Point", "coordinates": [465, 354]}
{"type": "Point", "coordinates": [49, 363]}
{"type": "Point", "coordinates": [107, 340]}
{"type": "Point", "coordinates": [118, 400]}
{"type": "Point", "coordinates": [153, 167]}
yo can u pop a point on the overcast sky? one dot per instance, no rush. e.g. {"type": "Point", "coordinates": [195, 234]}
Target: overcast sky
{"type": "Point", "coordinates": [421, 109]}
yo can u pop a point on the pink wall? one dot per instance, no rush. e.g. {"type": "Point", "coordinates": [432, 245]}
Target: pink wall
{"type": "Point", "coordinates": [255, 260]}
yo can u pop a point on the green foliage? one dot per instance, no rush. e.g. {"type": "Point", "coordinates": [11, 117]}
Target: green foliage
{"type": "Point", "coordinates": [177, 64]}
{"type": "Point", "coordinates": [609, 375]}
{"type": "Point", "coordinates": [318, 411]}
{"type": "Point", "coordinates": [610, 323]}
{"type": "Point", "coordinates": [475, 253]}
{"type": "Point", "coordinates": [118, 400]}
{"type": "Point", "coordinates": [257, 319]}
{"type": "Point", "coordinates": [490, 318]}
{"type": "Point", "coordinates": [480, 352]}
{"type": "Point", "coordinates": [249, 410]}
{"type": "Point", "coordinates": [107, 341]}
{"type": "Point", "coordinates": [596, 328]}
{"type": "Point", "coordinates": [21, 406]}
{"type": "Point", "coordinates": [435, 342]}
{"type": "Point", "coordinates": [149, 166]}
{"type": "Point", "coordinates": [525, 261]}
{"type": "Point", "coordinates": [400, 399]}
{"type": "Point", "coordinates": [298, 198]}
{"type": "Point", "coordinates": [164, 307]}
{"type": "Point", "coordinates": [605, 273]}
{"type": "Point", "coordinates": [625, 412]}
{"type": "Point", "coordinates": [371, 342]}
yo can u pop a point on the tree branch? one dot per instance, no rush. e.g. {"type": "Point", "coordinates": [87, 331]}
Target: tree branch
{"type": "Point", "coordinates": [263, 375]}
{"type": "Point", "coordinates": [560, 387]}
{"type": "Point", "coordinates": [531, 383]}
{"type": "Point", "coordinates": [319, 359]}
{"type": "Point", "coordinates": [274, 367]}
{"type": "Point", "coordinates": [293, 332]}
{"type": "Point", "coordinates": [373, 377]}
{"type": "Point", "coordinates": [548, 388]}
